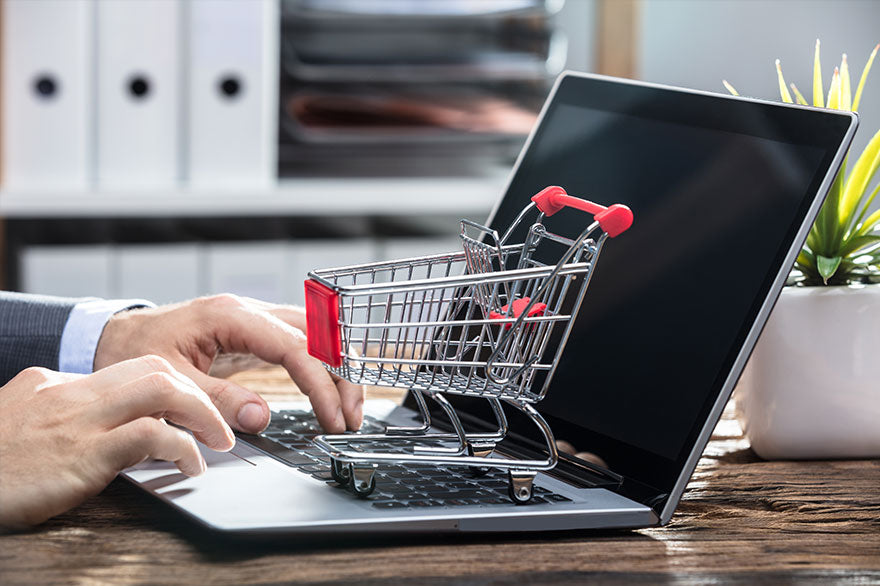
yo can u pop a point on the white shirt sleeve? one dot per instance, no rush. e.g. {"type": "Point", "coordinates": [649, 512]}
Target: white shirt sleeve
{"type": "Point", "coordinates": [85, 324]}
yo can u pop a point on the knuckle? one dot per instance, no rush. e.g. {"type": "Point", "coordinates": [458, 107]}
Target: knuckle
{"type": "Point", "coordinates": [160, 383]}
{"type": "Point", "coordinates": [222, 393]}
{"type": "Point", "coordinates": [36, 375]}
{"type": "Point", "coordinates": [157, 363]}
{"type": "Point", "coordinates": [225, 301]}
{"type": "Point", "coordinates": [298, 338]}
{"type": "Point", "coordinates": [145, 431]}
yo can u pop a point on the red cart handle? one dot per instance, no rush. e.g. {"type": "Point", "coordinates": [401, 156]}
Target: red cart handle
{"type": "Point", "coordinates": [615, 219]}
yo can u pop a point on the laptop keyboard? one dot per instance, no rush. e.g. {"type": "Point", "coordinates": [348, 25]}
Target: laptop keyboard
{"type": "Point", "coordinates": [289, 438]}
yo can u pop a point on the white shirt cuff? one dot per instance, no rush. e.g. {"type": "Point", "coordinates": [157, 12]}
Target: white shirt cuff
{"type": "Point", "coordinates": [83, 329]}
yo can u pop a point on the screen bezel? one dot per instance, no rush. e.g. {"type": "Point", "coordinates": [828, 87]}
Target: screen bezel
{"type": "Point", "coordinates": [831, 130]}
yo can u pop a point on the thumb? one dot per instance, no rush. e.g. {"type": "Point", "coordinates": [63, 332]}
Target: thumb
{"type": "Point", "coordinates": [242, 409]}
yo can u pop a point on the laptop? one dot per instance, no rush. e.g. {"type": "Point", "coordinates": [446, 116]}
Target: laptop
{"type": "Point", "coordinates": [723, 189]}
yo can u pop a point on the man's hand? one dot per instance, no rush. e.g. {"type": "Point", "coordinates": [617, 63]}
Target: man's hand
{"type": "Point", "coordinates": [190, 335]}
{"type": "Point", "coordinates": [64, 437]}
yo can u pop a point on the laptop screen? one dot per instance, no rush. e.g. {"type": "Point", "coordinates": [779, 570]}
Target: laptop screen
{"type": "Point", "coordinates": [719, 188]}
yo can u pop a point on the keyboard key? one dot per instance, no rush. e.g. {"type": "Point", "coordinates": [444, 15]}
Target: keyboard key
{"type": "Point", "coordinates": [424, 503]}
{"type": "Point", "coordinates": [404, 476]}
{"type": "Point", "coordinates": [457, 502]}
{"type": "Point", "coordinates": [398, 491]}
{"type": "Point", "coordinates": [389, 505]}
{"type": "Point", "coordinates": [296, 458]}
{"type": "Point", "coordinates": [475, 494]}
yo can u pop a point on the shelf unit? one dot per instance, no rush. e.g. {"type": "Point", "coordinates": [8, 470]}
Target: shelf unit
{"type": "Point", "coordinates": [292, 197]}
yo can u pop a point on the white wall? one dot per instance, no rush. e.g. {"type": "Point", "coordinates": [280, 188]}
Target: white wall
{"type": "Point", "coordinates": [697, 43]}
{"type": "Point", "coordinates": [577, 21]}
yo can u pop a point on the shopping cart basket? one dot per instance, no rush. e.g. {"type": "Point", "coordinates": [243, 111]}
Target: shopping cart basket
{"type": "Point", "coordinates": [475, 322]}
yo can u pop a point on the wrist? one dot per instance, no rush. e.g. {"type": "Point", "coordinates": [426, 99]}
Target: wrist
{"type": "Point", "coordinates": [119, 330]}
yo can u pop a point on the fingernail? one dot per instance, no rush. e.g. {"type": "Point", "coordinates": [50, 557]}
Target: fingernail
{"type": "Point", "coordinates": [339, 423]}
{"type": "Point", "coordinates": [203, 466]}
{"type": "Point", "coordinates": [251, 417]}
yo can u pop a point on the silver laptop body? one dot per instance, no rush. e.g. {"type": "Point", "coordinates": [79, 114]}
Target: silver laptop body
{"type": "Point", "coordinates": [248, 490]}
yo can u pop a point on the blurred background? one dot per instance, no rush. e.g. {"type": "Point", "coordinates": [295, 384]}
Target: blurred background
{"type": "Point", "coordinates": [173, 148]}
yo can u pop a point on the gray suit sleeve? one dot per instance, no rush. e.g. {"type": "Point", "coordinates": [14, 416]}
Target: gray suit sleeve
{"type": "Point", "coordinates": [30, 331]}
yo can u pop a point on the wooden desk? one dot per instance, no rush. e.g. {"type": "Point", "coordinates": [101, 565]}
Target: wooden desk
{"type": "Point", "coordinates": [741, 520]}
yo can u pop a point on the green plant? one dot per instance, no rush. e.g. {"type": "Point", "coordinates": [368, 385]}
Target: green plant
{"type": "Point", "coordinates": [843, 245]}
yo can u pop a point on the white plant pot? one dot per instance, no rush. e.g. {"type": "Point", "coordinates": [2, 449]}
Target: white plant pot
{"type": "Point", "coordinates": [812, 386]}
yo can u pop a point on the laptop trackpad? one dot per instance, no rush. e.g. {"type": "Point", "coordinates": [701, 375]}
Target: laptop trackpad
{"type": "Point", "coordinates": [243, 488]}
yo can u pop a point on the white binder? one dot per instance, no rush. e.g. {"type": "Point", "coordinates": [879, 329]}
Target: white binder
{"type": "Point", "coordinates": [233, 92]}
{"type": "Point", "coordinates": [307, 255]}
{"type": "Point", "coordinates": [68, 271]}
{"type": "Point", "coordinates": [139, 99]}
{"type": "Point", "coordinates": [47, 91]}
{"type": "Point", "coordinates": [162, 273]}
{"type": "Point", "coordinates": [249, 269]}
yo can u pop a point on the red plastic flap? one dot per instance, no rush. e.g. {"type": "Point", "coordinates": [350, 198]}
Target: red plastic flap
{"type": "Point", "coordinates": [519, 305]}
{"type": "Point", "coordinates": [322, 323]}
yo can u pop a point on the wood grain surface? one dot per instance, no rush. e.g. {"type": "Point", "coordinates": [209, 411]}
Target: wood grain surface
{"type": "Point", "coordinates": [742, 520]}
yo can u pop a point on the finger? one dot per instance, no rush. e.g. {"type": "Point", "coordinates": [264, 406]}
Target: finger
{"type": "Point", "coordinates": [352, 398]}
{"type": "Point", "coordinates": [243, 328]}
{"type": "Point", "coordinates": [161, 394]}
{"type": "Point", "coordinates": [243, 409]}
{"type": "Point", "coordinates": [351, 395]}
{"type": "Point", "coordinates": [110, 375]}
{"type": "Point", "coordinates": [147, 437]}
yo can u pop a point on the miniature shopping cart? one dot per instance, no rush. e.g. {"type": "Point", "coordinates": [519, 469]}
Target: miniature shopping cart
{"type": "Point", "coordinates": [476, 322]}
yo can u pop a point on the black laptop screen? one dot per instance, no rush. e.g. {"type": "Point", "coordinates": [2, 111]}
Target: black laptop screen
{"type": "Point", "coordinates": [719, 189]}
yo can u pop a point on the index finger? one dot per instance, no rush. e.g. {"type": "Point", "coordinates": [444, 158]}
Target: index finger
{"type": "Point", "coordinates": [245, 328]}
{"type": "Point", "coordinates": [150, 387]}
{"type": "Point", "coordinates": [351, 395]}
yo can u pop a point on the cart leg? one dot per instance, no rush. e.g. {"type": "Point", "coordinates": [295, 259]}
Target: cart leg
{"type": "Point", "coordinates": [363, 480]}
{"type": "Point", "coordinates": [549, 441]}
{"type": "Point", "coordinates": [520, 485]}
{"type": "Point", "coordinates": [500, 417]}
{"type": "Point", "coordinates": [456, 425]}
{"type": "Point", "coordinates": [415, 430]}
{"type": "Point", "coordinates": [340, 471]}
{"type": "Point", "coordinates": [479, 450]}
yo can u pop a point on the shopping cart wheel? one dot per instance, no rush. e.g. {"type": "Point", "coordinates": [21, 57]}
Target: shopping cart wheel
{"type": "Point", "coordinates": [363, 480]}
{"type": "Point", "coordinates": [340, 471]}
{"type": "Point", "coordinates": [480, 451]}
{"type": "Point", "coordinates": [520, 486]}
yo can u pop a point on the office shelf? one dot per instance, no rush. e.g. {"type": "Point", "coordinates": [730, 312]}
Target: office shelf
{"type": "Point", "coordinates": [291, 197]}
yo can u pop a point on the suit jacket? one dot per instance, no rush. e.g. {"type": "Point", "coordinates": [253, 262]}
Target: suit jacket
{"type": "Point", "coordinates": [30, 331]}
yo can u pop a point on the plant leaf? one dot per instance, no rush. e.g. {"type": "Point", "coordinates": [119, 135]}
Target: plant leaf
{"type": "Point", "coordinates": [872, 219]}
{"type": "Point", "coordinates": [865, 71]}
{"type": "Point", "coordinates": [729, 87]}
{"type": "Point", "coordinates": [827, 266]}
{"type": "Point", "coordinates": [813, 237]}
{"type": "Point", "coordinates": [818, 90]}
{"type": "Point", "coordinates": [827, 224]}
{"type": "Point", "coordinates": [806, 261]}
{"type": "Point", "coordinates": [798, 96]}
{"type": "Point", "coordinates": [860, 177]}
{"type": "Point", "coordinates": [865, 207]}
{"type": "Point", "coordinates": [855, 244]}
{"type": "Point", "coordinates": [833, 102]}
{"type": "Point", "coordinates": [783, 89]}
{"type": "Point", "coordinates": [845, 89]}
